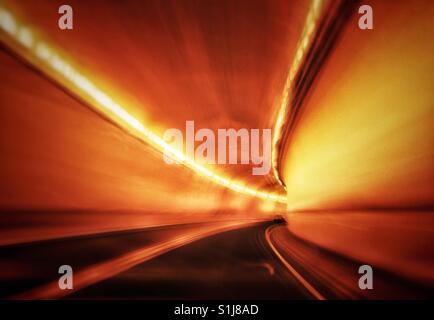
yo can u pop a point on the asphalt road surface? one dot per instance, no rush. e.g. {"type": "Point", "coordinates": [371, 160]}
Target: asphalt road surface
{"type": "Point", "coordinates": [243, 260]}
{"type": "Point", "coordinates": [232, 265]}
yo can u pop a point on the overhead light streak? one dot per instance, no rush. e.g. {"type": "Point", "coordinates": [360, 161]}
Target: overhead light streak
{"type": "Point", "coordinates": [303, 44]}
{"type": "Point", "coordinates": [45, 57]}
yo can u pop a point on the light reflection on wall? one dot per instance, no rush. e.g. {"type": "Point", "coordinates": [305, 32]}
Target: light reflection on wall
{"type": "Point", "coordinates": [365, 138]}
{"type": "Point", "coordinates": [359, 163]}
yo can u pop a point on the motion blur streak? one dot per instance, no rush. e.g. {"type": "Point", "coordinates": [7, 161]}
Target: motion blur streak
{"type": "Point", "coordinates": [60, 177]}
{"type": "Point", "coordinates": [337, 277]}
{"type": "Point", "coordinates": [291, 269]}
{"type": "Point", "coordinates": [83, 181]}
{"type": "Point", "coordinates": [46, 59]}
{"type": "Point", "coordinates": [359, 160]}
{"type": "Point", "coordinates": [108, 269]}
{"type": "Point", "coordinates": [302, 48]}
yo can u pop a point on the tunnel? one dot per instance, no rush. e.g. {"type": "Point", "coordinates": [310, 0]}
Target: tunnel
{"type": "Point", "coordinates": [131, 143]}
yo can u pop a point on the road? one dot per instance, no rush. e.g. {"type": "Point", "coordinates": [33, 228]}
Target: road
{"type": "Point", "coordinates": [221, 260]}
{"type": "Point", "coordinates": [234, 264]}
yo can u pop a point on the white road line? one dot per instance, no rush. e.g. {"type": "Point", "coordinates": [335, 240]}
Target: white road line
{"type": "Point", "coordinates": [291, 269]}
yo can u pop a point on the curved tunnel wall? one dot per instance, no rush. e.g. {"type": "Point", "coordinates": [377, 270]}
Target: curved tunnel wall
{"type": "Point", "coordinates": [66, 171]}
{"type": "Point", "coordinates": [358, 165]}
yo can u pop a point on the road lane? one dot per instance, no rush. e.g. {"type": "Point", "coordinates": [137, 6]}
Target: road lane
{"type": "Point", "coordinates": [235, 264]}
{"type": "Point", "coordinates": [33, 266]}
{"type": "Point", "coordinates": [335, 276]}
{"type": "Point", "coordinates": [220, 260]}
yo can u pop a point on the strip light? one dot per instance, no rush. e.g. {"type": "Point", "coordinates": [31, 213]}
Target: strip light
{"type": "Point", "coordinates": [38, 53]}
{"type": "Point", "coordinates": [306, 38]}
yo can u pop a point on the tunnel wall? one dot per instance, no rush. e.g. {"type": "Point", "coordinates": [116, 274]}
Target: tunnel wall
{"type": "Point", "coordinates": [358, 165]}
{"type": "Point", "coordinates": [66, 171]}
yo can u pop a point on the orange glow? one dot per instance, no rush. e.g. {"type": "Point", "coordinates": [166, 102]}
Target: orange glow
{"type": "Point", "coordinates": [46, 59]}
{"type": "Point", "coordinates": [282, 111]}
{"type": "Point", "coordinates": [364, 138]}
{"type": "Point", "coordinates": [84, 181]}
{"type": "Point", "coordinates": [359, 161]}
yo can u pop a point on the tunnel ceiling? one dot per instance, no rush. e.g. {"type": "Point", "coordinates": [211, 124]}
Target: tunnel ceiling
{"type": "Point", "coordinates": [222, 64]}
